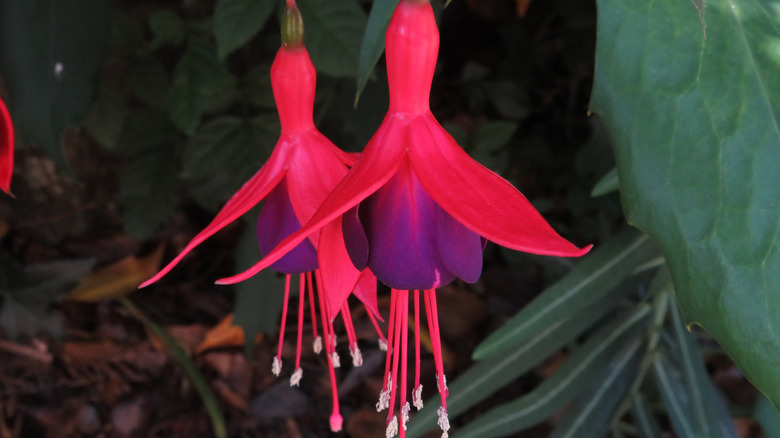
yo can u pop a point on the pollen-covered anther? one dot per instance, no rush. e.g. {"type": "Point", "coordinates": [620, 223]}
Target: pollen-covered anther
{"type": "Point", "coordinates": [317, 345]}
{"type": "Point", "coordinates": [392, 428]}
{"type": "Point", "coordinates": [405, 414]}
{"type": "Point", "coordinates": [384, 396]}
{"type": "Point", "coordinates": [334, 358]}
{"type": "Point", "coordinates": [444, 421]}
{"type": "Point", "coordinates": [439, 382]}
{"type": "Point", "coordinates": [382, 345]}
{"type": "Point", "coordinates": [357, 357]}
{"type": "Point", "coordinates": [417, 397]}
{"type": "Point", "coordinates": [295, 379]}
{"type": "Point", "coordinates": [276, 367]}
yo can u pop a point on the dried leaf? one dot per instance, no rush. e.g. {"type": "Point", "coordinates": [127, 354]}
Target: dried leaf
{"type": "Point", "coordinates": [118, 279]}
{"type": "Point", "coordinates": [224, 334]}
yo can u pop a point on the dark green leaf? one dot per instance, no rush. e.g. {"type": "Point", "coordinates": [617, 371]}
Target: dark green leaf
{"type": "Point", "coordinates": [224, 153]}
{"type": "Point", "coordinates": [259, 299]}
{"type": "Point", "coordinates": [167, 28]}
{"type": "Point", "coordinates": [198, 76]}
{"type": "Point", "coordinates": [488, 139]}
{"type": "Point", "coordinates": [674, 395]}
{"type": "Point", "coordinates": [333, 33]}
{"type": "Point", "coordinates": [607, 184]}
{"type": "Point", "coordinates": [592, 414]}
{"type": "Point", "coordinates": [105, 117]}
{"type": "Point", "coordinates": [568, 381]}
{"type": "Point", "coordinates": [767, 415]}
{"type": "Point", "coordinates": [148, 80]}
{"type": "Point", "coordinates": [236, 21]}
{"type": "Point", "coordinates": [373, 41]}
{"type": "Point", "coordinates": [27, 294]}
{"type": "Point", "coordinates": [50, 53]}
{"type": "Point", "coordinates": [149, 185]}
{"type": "Point", "coordinates": [695, 129]}
{"type": "Point", "coordinates": [597, 274]}
{"type": "Point", "coordinates": [256, 87]}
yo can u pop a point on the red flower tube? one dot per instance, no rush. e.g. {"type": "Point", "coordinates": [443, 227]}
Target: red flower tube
{"type": "Point", "coordinates": [6, 149]}
{"type": "Point", "coordinates": [303, 169]}
{"type": "Point", "coordinates": [415, 208]}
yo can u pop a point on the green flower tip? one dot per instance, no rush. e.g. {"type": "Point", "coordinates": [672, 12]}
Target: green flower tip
{"type": "Point", "coordinates": [292, 28]}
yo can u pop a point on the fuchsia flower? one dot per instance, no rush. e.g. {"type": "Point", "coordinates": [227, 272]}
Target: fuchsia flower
{"type": "Point", "coordinates": [302, 170]}
{"type": "Point", "coordinates": [416, 209]}
{"type": "Point", "coordinates": [6, 149]}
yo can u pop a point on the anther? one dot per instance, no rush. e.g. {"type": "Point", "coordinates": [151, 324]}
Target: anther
{"type": "Point", "coordinates": [295, 379]}
{"type": "Point", "coordinates": [417, 397]}
{"type": "Point", "coordinates": [276, 367]}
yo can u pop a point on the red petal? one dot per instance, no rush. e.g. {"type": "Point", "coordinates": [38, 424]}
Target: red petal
{"type": "Point", "coordinates": [313, 171]}
{"type": "Point", "coordinates": [478, 198]}
{"type": "Point", "coordinates": [6, 149]}
{"type": "Point", "coordinates": [337, 272]}
{"type": "Point", "coordinates": [365, 291]}
{"type": "Point", "coordinates": [251, 193]}
{"type": "Point", "coordinates": [375, 167]}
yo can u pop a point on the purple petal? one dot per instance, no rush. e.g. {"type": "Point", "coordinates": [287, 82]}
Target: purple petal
{"type": "Point", "coordinates": [355, 238]}
{"type": "Point", "coordinates": [401, 222]}
{"type": "Point", "coordinates": [460, 248]}
{"type": "Point", "coordinates": [275, 222]}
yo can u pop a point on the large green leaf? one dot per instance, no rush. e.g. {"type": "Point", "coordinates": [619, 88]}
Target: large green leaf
{"type": "Point", "coordinates": [50, 54]}
{"type": "Point", "coordinates": [333, 33]}
{"type": "Point", "coordinates": [694, 122]}
{"type": "Point", "coordinates": [236, 21]}
{"type": "Point", "coordinates": [373, 41]}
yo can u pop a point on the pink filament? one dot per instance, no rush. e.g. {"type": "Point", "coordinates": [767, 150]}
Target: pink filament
{"type": "Point", "coordinates": [404, 343]}
{"type": "Point", "coordinates": [390, 338]}
{"type": "Point", "coordinates": [433, 327]}
{"type": "Point", "coordinates": [301, 298]}
{"type": "Point", "coordinates": [311, 305]}
{"type": "Point", "coordinates": [416, 339]}
{"type": "Point", "coordinates": [347, 317]}
{"type": "Point", "coordinates": [376, 325]}
{"type": "Point", "coordinates": [284, 315]}
{"type": "Point", "coordinates": [396, 347]}
{"type": "Point", "coordinates": [335, 417]}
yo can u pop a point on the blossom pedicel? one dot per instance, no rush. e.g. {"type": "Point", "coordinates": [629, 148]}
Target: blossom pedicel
{"type": "Point", "coordinates": [302, 170]}
{"type": "Point", "coordinates": [6, 149]}
{"type": "Point", "coordinates": [416, 209]}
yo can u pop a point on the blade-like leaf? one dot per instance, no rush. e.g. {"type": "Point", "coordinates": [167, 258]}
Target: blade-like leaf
{"type": "Point", "coordinates": [607, 184]}
{"type": "Point", "coordinates": [333, 33]}
{"type": "Point", "coordinates": [486, 377]}
{"type": "Point", "coordinates": [674, 395]}
{"type": "Point", "coordinates": [373, 41]}
{"type": "Point", "coordinates": [591, 416]}
{"type": "Point", "coordinates": [568, 381]}
{"type": "Point", "coordinates": [695, 126]}
{"type": "Point", "coordinates": [767, 415]}
{"type": "Point", "coordinates": [236, 21]}
{"type": "Point", "coordinates": [588, 282]}
{"type": "Point", "coordinates": [50, 54]}
{"type": "Point", "coordinates": [644, 420]}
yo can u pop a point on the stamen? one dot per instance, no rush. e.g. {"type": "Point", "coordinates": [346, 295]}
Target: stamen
{"type": "Point", "coordinates": [392, 428]}
{"type": "Point", "coordinates": [317, 339]}
{"type": "Point", "coordinates": [417, 392]}
{"type": "Point", "coordinates": [444, 421]}
{"type": "Point", "coordinates": [405, 415]}
{"type": "Point", "coordinates": [433, 327]}
{"type": "Point", "coordinates": [335, 417]}
{"type": "Point", "coordinates": [357, 358]}
{"type": "Point", "coordinates": [396, 347]}
{"type": "Point", "coordinates": [276, 368]}
{"type": "Point", "coordinates": [390, 339]}
{"type": "Point", "coordinates": [334, 357]}
{"type": "Point", "coordinates": [295, 379]}
{"type": "Point", "coordinates": [384, 396]}
{"type": "Point", "coordinates": [301, 298]}
{"type": "Point", "coordinates": [382, 340]}
{"type": "Point", "coordinates": [404, 347]}
{"type": "Point", "coordinates": [417, 397]}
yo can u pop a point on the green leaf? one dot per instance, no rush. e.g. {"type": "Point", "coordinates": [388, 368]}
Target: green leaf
{"type": "Point", "coordinates": [333, 33]}
{"type": "Point", "coordinates": [105, 117]}
{"type": "Point", "coordinates": [592, 414]}
{"type": "Point", "coordinates": [644, 420]}
{"type": "Point", "coordinates": [149, 186]}
{"type": "Point", "coordinates": [674, 395]}
{"type": "Point", "coordinates": [224, 153]}
{"type": "Point", "coordinates": [488, 139]}
{"type": "Point", "coordinates": [259, 299]}
{"type": "Point", "coordinates": [50, 54]}
{"type": "Point", "coordinates": [28, 293]}
{"type": "Point", "coordinates": [607, 184]}
{"type": "Point", "coordinates": [237, 21]}
{"type": "Point", "coordinates": [373, 41]}
{"type": "Point", "coordinates": [179, 355]}
{"type": "Point", "coordinates": [198, 76]}
{"type": "Point", "coordinates": [148, 80]}
{"type": "Point", "coordinates": [568, 381]}
{"type": "Point", "coordinates": [767, 415]}
{"type": "Point", "coordinates": [697, 144]}
{"type": "Point", "coordinates": [167, 28]}
{"type": "Point", "coordinates": [595, 275]}
{"type": "Point", "coordinates": [486, 377]}
{"type": "Point", "coordinates": [256, 87]}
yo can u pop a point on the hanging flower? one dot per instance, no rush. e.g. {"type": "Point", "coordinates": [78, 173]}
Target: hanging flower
{"type": "Point", "coordinates": [416, 209]}
{"type": "Point", "coordinates": [303, 169]}
{"type": "Point", "coordinates": [6, 149]}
